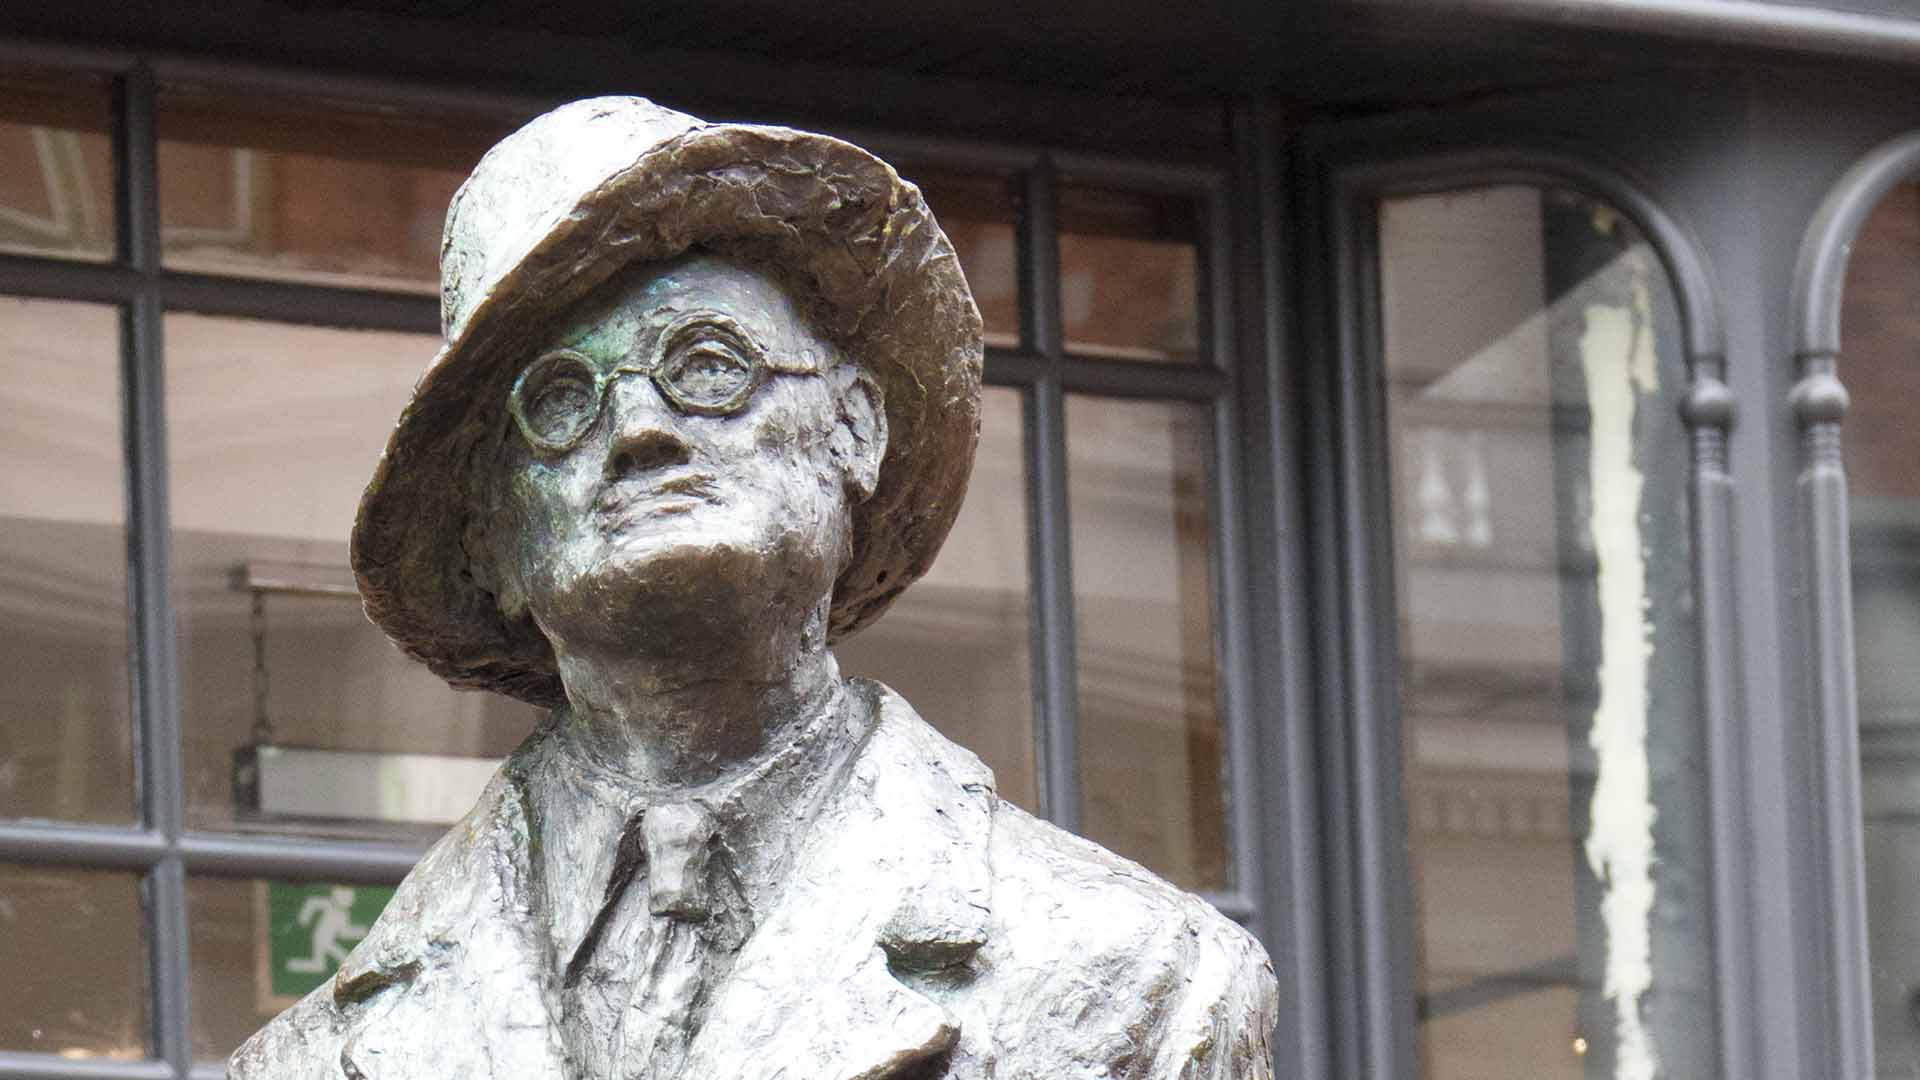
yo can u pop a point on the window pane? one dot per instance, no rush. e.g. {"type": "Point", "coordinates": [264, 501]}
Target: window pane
{"type": "Point", "coordinates": [56, 164]}
{"type": "Point", "coordinates": [1881, 366]}
{"type": "Point", "coordinates": [1547, 643]}
{"type": "Point", "coordinates": [259, 946]}
{"type": "Point", "coordinates": [976, 213]}
{"type": "Point", "coordinates": [1129, 274]}
{"type": "Point", "coordinates": [64, 726]}
{"type": "Point", "coordinates": [1152, 777]}
{"type": "Point", "coordinates": [957, 644]}
{"type": "Point", "coordinates": [310, 190]}
{"type": "Point", "coordinates": [72, 945]}
{"type": "Point", "coordinates": [274, 431]}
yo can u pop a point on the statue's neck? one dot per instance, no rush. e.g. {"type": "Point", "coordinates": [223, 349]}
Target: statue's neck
{"type": "Point", "coordinates": [674, 728]}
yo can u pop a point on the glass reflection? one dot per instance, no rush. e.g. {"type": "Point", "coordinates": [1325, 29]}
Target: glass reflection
{"type": "Point", "coordinates": [1546, 639]}
{"type": "Point", "coordinates": [259, 946]}
{"type": "Point", "coordinates": [1129, 274]}
{"type": "Point", "coordinates": [314, 191]}
{"type": "Point", "coordinates": [1152, 781]}
{"type": "Point", "coordinates": [957, 644]}
{"type": "Point", "coordinates": [72, 945]}
{"type": "Point", "coordinates": [1882, 340]}
{"type": "Point", "coordinates": [56, 164]}
{"type": "Point", "coordinates": [65, 734]}
{"type": "Point", "coordinates": [273, 432]}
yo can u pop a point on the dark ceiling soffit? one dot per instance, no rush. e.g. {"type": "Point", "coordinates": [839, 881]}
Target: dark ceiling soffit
{"type": "Point", "coordinates": [1765, 24]}
{"type": "Point", "coordinates": [355, 52]}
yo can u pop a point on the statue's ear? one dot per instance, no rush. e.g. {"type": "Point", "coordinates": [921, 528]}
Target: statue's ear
{"type": "Point", "coordinates": [860, 434]}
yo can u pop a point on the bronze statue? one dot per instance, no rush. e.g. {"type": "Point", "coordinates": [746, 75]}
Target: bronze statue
{"type": "Point", "coordinates": [708, 402]}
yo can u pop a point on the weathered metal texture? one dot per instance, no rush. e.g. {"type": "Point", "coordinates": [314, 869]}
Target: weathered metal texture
{"type": "Point", "coordinates": [1819, 402]}
{"type": "Point", "coordinates": [718, 858]}
{"type": "Point", "coordinates": [565, 203]}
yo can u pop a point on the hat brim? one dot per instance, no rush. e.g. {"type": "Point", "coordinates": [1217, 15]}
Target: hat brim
{"type": "Point", "coordinates": [837, 220]}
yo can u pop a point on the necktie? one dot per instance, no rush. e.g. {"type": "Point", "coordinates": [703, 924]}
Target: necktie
{"type": "Point", "coordinates": [689, 878]}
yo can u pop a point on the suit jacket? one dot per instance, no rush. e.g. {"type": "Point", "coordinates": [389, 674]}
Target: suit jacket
{"type": "Point", "coordinates": [928, 931]}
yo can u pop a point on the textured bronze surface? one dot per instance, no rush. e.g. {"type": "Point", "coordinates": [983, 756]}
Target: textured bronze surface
{"type": "Point", "coordinates": [708, 402]}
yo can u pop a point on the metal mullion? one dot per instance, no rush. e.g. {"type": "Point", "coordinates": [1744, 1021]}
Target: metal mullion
{"type": "Point", "coordinates": [156, 689]}
{"type": "Point", "coordinates": [1012, 367]}
{"type": "Point", "coordinates": [1375, 837]}
{"type": "Point", "coordinates": [1231, 498]}
{"type": "Point", "coordinates": [940, 152]}
{"type": "Point", "coordinates": [67, 279]}
{"type": "Point", "coordinates": [1277, 581]}
{"type": "Point", "coordinates": [1054, 659]}
{"type": "Point", "coordinates": [49, 54]}
{"type": "Point", "coordinates": [300, 302]}
{"type": "Point", "coordinates": [1129, 378]}
{"type": "Point", "coordinates": [1216, 283]}
{"type": "Point", "coordinates": [293, 81]}
{"type": "Point", "coordinates": [94, 846]}
{"type": "Point", "coordinates": [21, 1066]}
{"type": "Point", "coordinates": [231, 855]}
{"type": "Point", "coordinates": [1056, 695]}
{"type": "Point", "coordinates": [1233, 697]}
{"type": "Point", "coordinates": [1163, 177]}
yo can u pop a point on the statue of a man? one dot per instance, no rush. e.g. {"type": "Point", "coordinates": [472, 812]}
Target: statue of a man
{"type": "Point", "coordinates": [708, 402]}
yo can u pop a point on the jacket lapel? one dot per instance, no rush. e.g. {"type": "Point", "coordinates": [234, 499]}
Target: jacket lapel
{"type": "Point", "coordinates": [450, 982]}
{"type": "Point", "coordinates": [895, 881]}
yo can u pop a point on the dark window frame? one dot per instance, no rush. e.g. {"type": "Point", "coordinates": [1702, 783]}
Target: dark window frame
{"type": "Point", "coordinates": [165, 851]}
{"type": "Point", "coordinates": [1348, 169]}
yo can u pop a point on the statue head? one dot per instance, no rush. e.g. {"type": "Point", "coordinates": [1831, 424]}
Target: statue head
{"type": "Point", "coordinates": [697, 380]}
{"type": "Point", "coordinates": [679, 478]}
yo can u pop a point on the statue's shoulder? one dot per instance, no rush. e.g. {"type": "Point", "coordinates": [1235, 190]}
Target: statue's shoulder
{"type": "Point", "coordinates": [1090, 947]}
{"type": "Point", "coordinates": [479, 860]}
{"type": "Point", "coordinates": [1087, 950]}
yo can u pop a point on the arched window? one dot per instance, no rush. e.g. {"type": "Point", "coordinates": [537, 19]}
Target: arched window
{"type": "Point", "coordinates": [1532, 364]}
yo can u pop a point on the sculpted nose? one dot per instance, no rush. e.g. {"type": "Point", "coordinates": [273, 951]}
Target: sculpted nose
{"type": "Point", "coordinates": [645, 434]}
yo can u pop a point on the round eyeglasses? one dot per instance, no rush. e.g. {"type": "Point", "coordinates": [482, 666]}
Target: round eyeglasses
{"type": "Point", "coordinates": [703, 364]}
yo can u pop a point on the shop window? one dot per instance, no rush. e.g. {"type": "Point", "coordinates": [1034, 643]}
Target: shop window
{"type": "Point", "coordinates": [56, 165]}
{"type": "Point", "coordinates": [259, 945]}
{"type": "Point", "coordinates": [65, 730]}
{"type": "Point", "coordinates": [259, 185]}
{"type": "Point", "coordinates": [1546, 639]}
{"type": "Point", "coordinates": [73, 946]}
{"type": "Point", "coordinates": [305, 733]}
{"type": "Point", "coordinates": [274, 430]}
{"type": "Point", "coordinates": [958, 644]}
{"type": "Point", "coordinates": [1151, 748]}
{"type": "Point", "coordinates": [1129, 274]}
{"type": "Point", "coordinates": [1881, 334]}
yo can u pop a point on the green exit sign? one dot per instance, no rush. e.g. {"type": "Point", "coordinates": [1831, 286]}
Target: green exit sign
{"type": "Point", "coordinates": [311, 928]}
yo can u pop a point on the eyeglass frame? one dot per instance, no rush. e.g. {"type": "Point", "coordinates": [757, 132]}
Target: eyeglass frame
{"type": "Point", "coordinates": [760, 366]}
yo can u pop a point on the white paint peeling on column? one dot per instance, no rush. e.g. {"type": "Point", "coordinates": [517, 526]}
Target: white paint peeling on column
{"type": "Point", "coordinates": [1620, 847]}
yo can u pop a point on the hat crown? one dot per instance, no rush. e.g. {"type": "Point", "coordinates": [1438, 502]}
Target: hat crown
{"type": "Point", "coordinates": [531, 180]}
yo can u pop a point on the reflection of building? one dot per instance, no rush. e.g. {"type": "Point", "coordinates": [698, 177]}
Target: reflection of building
{"type": "Point", "coordinates": [1410, 505]}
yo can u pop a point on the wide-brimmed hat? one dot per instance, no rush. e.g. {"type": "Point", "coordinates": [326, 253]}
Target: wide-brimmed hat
{"type": "Point", "coordinates": [559, 207]}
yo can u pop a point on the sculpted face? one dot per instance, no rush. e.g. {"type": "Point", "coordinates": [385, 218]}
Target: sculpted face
{"type": "Point", "coordinates": [680, 467]}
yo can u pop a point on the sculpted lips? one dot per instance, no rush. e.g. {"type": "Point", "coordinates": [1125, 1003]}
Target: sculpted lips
{"type": "Point", "coordinates": [626, 502]}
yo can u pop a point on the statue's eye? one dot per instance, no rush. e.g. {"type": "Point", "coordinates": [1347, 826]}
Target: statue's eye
{"type": "Point", "coordinates": [708, 373]}
{"type": "Point", "coordinates": [557, 398]}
